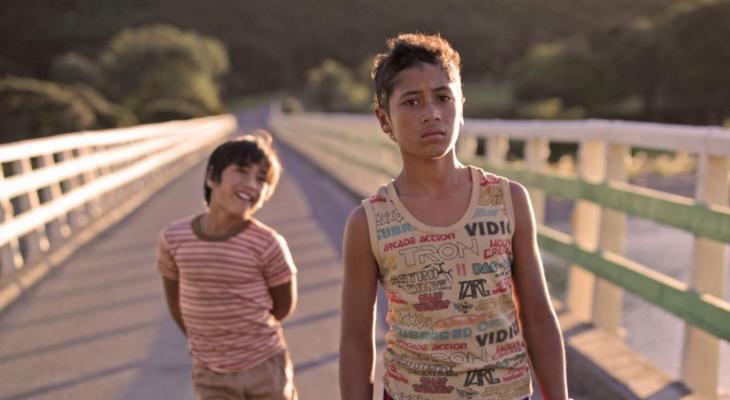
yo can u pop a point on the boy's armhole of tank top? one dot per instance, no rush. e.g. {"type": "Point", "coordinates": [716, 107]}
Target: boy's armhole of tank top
{"type": "Point", "coordinates": [372, 231]}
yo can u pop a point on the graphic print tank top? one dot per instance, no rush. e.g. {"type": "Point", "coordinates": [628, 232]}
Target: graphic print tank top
{"type": "Point", "coordinates": [454, 332]}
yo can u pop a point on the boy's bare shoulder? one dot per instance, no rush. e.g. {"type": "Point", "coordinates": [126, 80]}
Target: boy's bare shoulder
{"type": "Point", "coordinates": [520, 198]}
{"type": "Point", "coordinates": [517, 189]}
{"type": "Point", "coordinates": [358, 218]}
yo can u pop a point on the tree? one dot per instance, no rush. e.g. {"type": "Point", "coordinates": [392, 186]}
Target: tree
{"type": "Point", "coordinates": [331, 87]}
{"type": "Point", "coordinates": [693, 48]}
{"type": "Point", "coordinates": [569, 70]}
{"type": "Point", "coordinates": [156, 62]}
{"type": "Point", "coordinates": [31, 108]}
{"type": "Point", "coordinates": [677, 62]}
{"type": "Point", "coordinates": [75, 68]}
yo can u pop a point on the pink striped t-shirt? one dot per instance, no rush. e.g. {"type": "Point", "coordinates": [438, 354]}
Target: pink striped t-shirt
{"type": "Point", "coordinates": [224, 291]}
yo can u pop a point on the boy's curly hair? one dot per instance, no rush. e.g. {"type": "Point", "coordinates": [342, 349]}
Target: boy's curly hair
{"type": "Point", "coordinates": [406, 50]}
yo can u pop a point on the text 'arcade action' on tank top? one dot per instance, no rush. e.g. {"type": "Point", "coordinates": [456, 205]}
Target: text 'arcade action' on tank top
{"type": "Point", "coordinates": [454, 332]}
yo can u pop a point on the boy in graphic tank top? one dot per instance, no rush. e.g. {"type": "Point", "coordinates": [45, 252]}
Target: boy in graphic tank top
{"type": "Point", "coordinates": [454, 248]}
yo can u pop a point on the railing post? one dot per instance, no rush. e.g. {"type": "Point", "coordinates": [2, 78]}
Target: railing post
{"type": "Point", "coordinates": [77, 218]}
{"type": "Point", "coordinates": [95, 207]}
{"type": "Point", "coordinates": [10, 257]}
{"type": "Point", "coordinates": [497, 147]}
{"type": "Point", "coordinates": [608, 300]}
{"type": "Point", "coordinates": [57, 229]}
{"type": "Point", "coordinates": [466, 146]}
{"type": "Point", "coordinates": [36, 242]}
{"type": "Point", "coordinates": [586, 221]}
{"type": "Point", "coordinates": [701, 352]}
{"type": "Point", "coordinates": [537, 151]}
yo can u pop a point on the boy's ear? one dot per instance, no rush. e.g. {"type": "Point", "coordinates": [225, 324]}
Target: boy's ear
{"type": "Point", "coordinates": [209, 182]}
{"type": "Point", "coordinates": [383, 120]}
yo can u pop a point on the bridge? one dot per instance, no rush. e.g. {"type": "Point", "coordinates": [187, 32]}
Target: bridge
{"type": "Point", "coordinates": [639, 274]}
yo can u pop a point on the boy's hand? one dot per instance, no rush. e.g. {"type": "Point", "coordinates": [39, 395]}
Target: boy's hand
{"type": "Point", "coordinates": [172, 295]}
{"type": "Point", "coordinates": [285, 298]}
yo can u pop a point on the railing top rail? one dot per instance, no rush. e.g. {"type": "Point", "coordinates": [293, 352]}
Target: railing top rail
{"type": "Point", "coordinates": [693, 139]}
{"type": "Point", "coordinates": [68, 141]}
{"type": "Point", "coordinates": [711, 140]}
{"type": "Point", "coordinates": [32, 180]}
{"type": "Point", "coordinates": [151, 153]}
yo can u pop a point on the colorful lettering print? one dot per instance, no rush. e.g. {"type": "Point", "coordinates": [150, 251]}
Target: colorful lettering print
{"type": "Point", "coordinates": [454, 332]}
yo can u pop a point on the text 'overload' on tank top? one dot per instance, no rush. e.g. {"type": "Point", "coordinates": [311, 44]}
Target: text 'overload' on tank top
{"type": "Point", "coordinates": [454, 332]}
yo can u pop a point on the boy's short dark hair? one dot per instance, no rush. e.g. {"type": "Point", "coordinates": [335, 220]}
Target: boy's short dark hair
{"type": "Point", "coordinates": [253, 148]}
{"type": "Point", "coordinates": [405, 51]}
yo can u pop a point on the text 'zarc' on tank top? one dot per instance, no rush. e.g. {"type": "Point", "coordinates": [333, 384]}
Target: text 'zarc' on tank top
{"type": "Point", "coordinates": [454, 332]}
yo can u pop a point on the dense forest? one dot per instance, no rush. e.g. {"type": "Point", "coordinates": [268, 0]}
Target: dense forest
{"type": "Point", "coordinates": [273, 43]}
{"type": "Point", "coordinates": [661, 60]}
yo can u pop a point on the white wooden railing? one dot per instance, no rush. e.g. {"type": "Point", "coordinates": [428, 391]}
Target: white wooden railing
{"type": "Point", "coordinates": [54, 189]}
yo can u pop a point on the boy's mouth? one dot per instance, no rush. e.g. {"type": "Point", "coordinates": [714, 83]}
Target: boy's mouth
{"type": "Point", "coordinates": [433, 132]}
{"type": "Point", "coordinates": [244, 196]}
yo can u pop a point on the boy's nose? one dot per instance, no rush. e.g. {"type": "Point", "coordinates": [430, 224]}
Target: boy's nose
{"type": "Point", "coordinates": [250, 182]}
{"type": "Point", "coordinates": [431, 113]}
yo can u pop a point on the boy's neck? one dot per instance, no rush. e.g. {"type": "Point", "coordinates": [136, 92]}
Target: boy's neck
{"type": "Point", "coordinates": [429, 176]}
{"type": "Point", "coordinates": [221, 224]}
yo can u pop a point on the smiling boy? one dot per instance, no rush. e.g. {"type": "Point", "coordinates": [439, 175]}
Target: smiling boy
{"type": "Point", "coordinates": [454, 248]}
{"type": "Point", "coordinates": [229, 279]}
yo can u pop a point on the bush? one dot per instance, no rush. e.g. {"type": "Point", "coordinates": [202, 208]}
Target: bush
{"type": "Point", "coordinates": [331, 87]}
{"type": "Point", "coordinates": [170, 109]}
{"type": "Point", "coordinates": [73, 68]}
{"type": "Point", "coordinates": [108, 115]}
{"type": "Point", "coordinates": [161, 62]}
{"type": "Point", "coordinates": [291, 105]}
{"type": "Point", "coordinates": [552, 108]}
{"type": "Point", "coordinates": [31, 108]}
{"type": "Point", "coordinates": [571, 71]}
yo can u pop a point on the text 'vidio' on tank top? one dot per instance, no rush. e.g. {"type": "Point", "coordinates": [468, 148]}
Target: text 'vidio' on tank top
{"type": "Point", "coordinates": [454, 332]}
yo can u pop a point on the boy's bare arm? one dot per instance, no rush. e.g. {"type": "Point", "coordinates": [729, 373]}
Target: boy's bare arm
{"type": "Point", "coordinates": [285, 298]}
{"type": "Point", "coordinates": [540, 325]}
{"type": "Point", "coordinates": [172, 295]}
{"type": "Point", "coordinates": [357, 339]}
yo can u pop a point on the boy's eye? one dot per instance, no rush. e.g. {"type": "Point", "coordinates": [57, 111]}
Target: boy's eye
{"type": "Point", "coordinates": [410, 102]}
{"type": "Point", "coordinates": [444, 98]}
{"type": "Point", "coordinates": [261, 178]}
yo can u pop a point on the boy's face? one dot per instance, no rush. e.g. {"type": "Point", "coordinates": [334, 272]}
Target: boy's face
{"type": "Point", "coordinates": [240, 192]}
{"type": "Point", "coordinates": [425, 112]}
